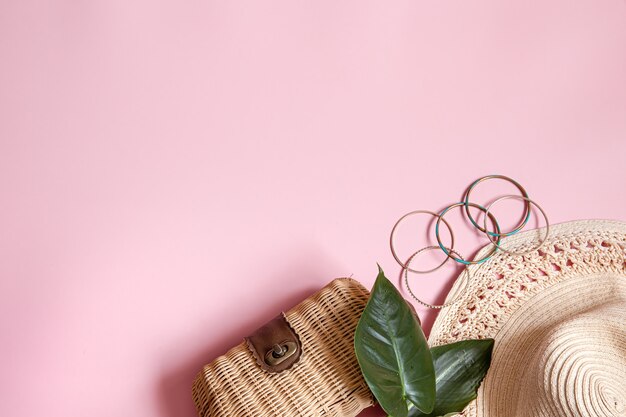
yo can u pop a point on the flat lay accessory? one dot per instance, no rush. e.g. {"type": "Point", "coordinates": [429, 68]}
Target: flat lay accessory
{"type": "Point", "coordinates": [301, 364]}
{"type": "Point", "coordinates": [484, 229]}
{"type": "Point", "coordinates": [466, 278]}
{"type": "Point", "coordinates": [487, 215]}
{"type": "Point", "coordinates": [528, 201]}
{"type": "Point", "coordinates": [392, 244]}
{"type": "Point", "coordinates": [558, 317]}
{"type": "Point", "coordinates": [494, 236]}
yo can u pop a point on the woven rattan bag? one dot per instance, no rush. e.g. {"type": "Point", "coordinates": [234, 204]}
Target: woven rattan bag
{"type": "Point", "coordinates": [300, 364]}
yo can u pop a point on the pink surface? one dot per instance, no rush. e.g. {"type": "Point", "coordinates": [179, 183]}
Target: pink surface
{"type": "Point", "coordinates": [173, 174]}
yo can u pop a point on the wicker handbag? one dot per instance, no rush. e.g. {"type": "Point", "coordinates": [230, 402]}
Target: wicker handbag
{"type": "Point", "coordinates": [300, 364]}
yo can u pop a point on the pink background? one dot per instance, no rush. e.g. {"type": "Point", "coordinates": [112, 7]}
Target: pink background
{"type": "Point", "coordinates": [174, 173]}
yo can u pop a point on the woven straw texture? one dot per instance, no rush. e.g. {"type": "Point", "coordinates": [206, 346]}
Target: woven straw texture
{"type": "Point", "coordinates": [558, 315]}
{"type": "Point", "coordinates": [327, 381]}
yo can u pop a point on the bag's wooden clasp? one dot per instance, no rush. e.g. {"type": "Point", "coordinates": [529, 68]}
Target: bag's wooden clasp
{"type": "Point", "coordinates": [281, 352]}
{"type": "Point", "coordinates": [275, 346]}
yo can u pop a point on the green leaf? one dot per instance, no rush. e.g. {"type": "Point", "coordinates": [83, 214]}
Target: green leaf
{"type": "Point", "coordinates": [459, 367]}
{"type": "Point", "coordinates": [393, 353]}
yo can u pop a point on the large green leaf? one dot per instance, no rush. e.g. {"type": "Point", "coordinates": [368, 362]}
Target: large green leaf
{"type": "Point", "coordinates": [459, 367]}
{"type": "Point", "coordinates": [393, 353]}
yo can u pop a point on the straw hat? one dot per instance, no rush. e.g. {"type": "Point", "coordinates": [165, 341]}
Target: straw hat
{"type": "Point", "coordinates": [558, 316]}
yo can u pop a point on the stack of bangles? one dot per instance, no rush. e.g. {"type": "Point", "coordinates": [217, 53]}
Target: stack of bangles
{"type": "Point", "coordinates": [494, 236]}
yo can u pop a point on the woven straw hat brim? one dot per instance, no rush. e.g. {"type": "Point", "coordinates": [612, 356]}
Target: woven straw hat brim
{"type": "Point", "coordinates": [559, 319]}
